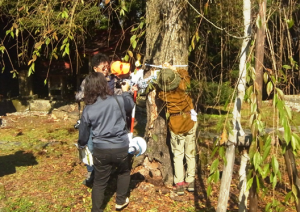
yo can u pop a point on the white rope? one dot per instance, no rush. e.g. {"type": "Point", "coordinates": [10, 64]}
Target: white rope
{"type": "Point", "coordinates": [214, 24]}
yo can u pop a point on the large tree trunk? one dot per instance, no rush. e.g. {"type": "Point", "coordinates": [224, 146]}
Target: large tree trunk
{"type": "Point", "coordinates": [166, 41]}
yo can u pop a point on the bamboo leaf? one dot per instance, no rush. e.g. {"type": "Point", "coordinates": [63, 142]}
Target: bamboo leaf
{"type": "Point", "coordinates": [287, 67]}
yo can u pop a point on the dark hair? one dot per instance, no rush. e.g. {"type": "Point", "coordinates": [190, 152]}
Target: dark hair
{"type": "Point", "coordinates": [95, 85]}
{"type": "Point", "coordinates": [99, 58]}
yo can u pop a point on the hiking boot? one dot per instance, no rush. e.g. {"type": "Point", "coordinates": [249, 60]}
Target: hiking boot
{"type": "Point", "coordinates": [191, 186]}
{"type": "Point", "coordinates": [89, 180]}
{"type": "Point", "coordinates": [179, 188]}
{"type": "Point", "coordinates": [119, 207]}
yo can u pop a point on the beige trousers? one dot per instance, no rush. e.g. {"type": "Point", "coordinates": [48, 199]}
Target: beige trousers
{"type": "Point", "coordinates": [183, 145]}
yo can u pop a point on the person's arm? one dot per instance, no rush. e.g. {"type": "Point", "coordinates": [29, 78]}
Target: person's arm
{"type": "Point", "coordinates": [84, 132]}
{"type": "Point", "coordinates": [127, 98]}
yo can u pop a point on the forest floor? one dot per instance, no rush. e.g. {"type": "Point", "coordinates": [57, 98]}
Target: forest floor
{"type": "Point", "coordinates": [40, 171]}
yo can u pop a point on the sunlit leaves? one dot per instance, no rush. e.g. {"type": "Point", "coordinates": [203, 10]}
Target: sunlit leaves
{"type": "Point", "coordinates": [290, 23]}
{"type": "Point", "coordinates": [269, 88]}
{"type": "Point", "coordinates": [31, 69]}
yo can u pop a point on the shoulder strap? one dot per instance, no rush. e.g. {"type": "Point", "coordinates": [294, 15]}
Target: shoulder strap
{"type": "Point", "coordinates": [121, 111]}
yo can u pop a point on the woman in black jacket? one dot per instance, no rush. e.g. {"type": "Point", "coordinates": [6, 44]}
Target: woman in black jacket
{"type": "Point", "coordinates": [104, 116]}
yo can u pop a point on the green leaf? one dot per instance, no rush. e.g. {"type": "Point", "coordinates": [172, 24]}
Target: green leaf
{"type": "Point", "coordinates": [288, 196]}
{"type": "Point", "coordinates": [274, 182]}
{"type": "Point", "coordinates": [257, 184]}
{"type": "Point", "coordinates": [294, 142]}
{"type": "Point", "coordinates": [2, 48]}
{"type": "Point", "coordinates": [269, 88]}
{"type": "Point", "coordinates": [154, 137]}
{"type": "Point", "coordinates": [288, 112]}
{"type": "Point", "coordinates": [266, 152]}
{"type": "Point", "coordinates": [208, 191]}
{"type": "Point", "coordinates": [290, 23]}
{"type": "Point", "coordinates": [275, 165]}
{"type": "Point", "coordinates": [222, 151]}
{"type": "Point", "coordinates": [287, 131]}
{"type": "Point", "coordinates": [266, 170]}
{"type": "Point", "coordinates": [249, 184]}
{"type": "Point", "coordinates": [280, 93]}
{"type": "Point", "coordinates": [126, 58]}
{"type": "Point", "coordinates": [134, 44]}
{"type": "Point", "coordinates": [286, 67]}
{"type": "Point", "coordinates": [268, 207]}
{"type": "Point", "coordinates": [133, 37]}
{"type": "Point", "coordinates": [256, 160]}
{"type": "Point", "coordinates": [62, 47]}
{"type": "Point", "coordinates": [141, 25]}
{"type": "Point", "coordinates": [216, 176]}
{"type": "Point", "coordinates": [67, 50]}
{"type": "Point", "coordinates": [45, 81]}
{"type": "Point", "coordinates": [214, 166]}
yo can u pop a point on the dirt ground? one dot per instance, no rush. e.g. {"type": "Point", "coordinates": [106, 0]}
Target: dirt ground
{"type": "Point", "coordinates": [40, 171]}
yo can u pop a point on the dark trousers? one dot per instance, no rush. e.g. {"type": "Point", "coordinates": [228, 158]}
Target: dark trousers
{"type": "Point", "coordinates": [104, 160]}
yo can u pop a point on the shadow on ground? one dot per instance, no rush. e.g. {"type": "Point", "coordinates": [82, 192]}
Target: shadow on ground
{"type": "Point", "coordinates": [8, 163]}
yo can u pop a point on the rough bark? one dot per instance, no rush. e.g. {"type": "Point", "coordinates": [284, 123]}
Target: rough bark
{"type": "Point", "coordinates": [166, 41]}
{"type": "Point", "coordinates": [259, 51]}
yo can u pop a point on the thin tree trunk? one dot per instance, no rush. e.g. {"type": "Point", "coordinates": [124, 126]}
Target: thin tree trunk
{"type": "Point", "coordinates": [259, 51]}
{"type": "Point", "coordinates": [258, 84]}
{"type": "Point", "coordinates": [237, 128]}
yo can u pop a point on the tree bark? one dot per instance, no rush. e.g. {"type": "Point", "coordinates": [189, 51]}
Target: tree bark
{"type": "Point", "coordinates": [166, 41]}
{"type": "Point", "coordinates": [259, 51]}
{"type": "Point", "coordinates": [258, 84]}
{"type": "Point", "coordinates": [292, 173]}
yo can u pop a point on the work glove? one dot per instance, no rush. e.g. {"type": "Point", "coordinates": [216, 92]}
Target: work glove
{"type": "Point", "coordinates": [193, 115]}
